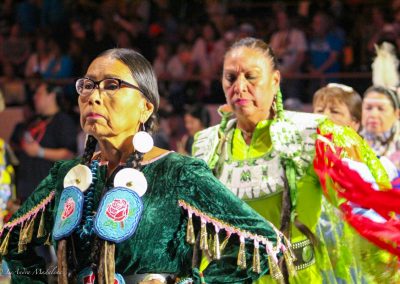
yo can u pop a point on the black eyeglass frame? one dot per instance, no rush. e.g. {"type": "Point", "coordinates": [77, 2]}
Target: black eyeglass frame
{"type": "Point", "coordinates": [121, 83]}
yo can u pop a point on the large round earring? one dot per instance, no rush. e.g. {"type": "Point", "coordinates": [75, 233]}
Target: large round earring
{"type": "Point", "coordinates": [142, 141]}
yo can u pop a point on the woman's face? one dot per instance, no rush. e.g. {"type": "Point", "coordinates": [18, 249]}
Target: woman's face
{"type": "Point", "coordinates": [114, 116]}
{"type": "Point", "coordinates": [192, 124]}
{"type": "Point", "coordinates": [249, 83]}
{"type": "Point", "coordinates": [378, 113]}
{"type": "Point", "coordinates": [336, 111]}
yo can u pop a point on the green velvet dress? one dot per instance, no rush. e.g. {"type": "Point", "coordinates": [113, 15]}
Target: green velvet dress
{"type": "Point", "coordinates": [176, 185]}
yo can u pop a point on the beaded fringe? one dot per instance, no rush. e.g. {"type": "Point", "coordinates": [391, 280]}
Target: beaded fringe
{"type": "Point", "coordinates": [211, 246]}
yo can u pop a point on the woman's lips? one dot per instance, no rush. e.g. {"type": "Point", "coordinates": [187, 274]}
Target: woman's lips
{"type": "Point", "coordinates": [241, 102]}
{"type": "Point", "coordinates": [93, 116]}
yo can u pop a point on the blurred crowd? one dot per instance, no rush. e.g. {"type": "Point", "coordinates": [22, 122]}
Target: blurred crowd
{"type": "Point", "coordinates": [186, 40]}
{"type": "Point", "coordinates": [45, 40]}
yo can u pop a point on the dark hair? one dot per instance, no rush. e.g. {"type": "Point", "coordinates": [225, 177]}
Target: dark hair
{"type": "Point", "coordinates": [200, 112]}
{"type": "Point", "coordinates": [141, 71]}
{"type": "Point", "coordinates": [258, 44]}
{"type": "Point", "coordinates": [351, 99]}
{"type": "Point", "coordinates": [59, 92]}
{"type": "Point", "coordinates": [391, 94]}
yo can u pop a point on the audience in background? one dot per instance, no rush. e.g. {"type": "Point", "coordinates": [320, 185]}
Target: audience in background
{"type": "Point", "coordinates": [49, 136]}
{"type": "Point", "coordinates": [196, 118]}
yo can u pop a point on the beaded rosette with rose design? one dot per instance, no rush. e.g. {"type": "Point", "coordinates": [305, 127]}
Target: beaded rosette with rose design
{"type": "Point", "coordinates": [118, 215]}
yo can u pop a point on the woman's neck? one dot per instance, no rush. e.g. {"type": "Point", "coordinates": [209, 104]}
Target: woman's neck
{"type": "Point", "coordinates": [114, 153]}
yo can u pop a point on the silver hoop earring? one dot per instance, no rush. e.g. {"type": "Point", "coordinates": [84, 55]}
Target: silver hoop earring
{"type": "Point", "coordinates": [142, 141]}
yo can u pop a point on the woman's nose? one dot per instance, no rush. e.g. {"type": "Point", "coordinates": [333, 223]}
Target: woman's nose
{"type": "Point", "coordinates": [374, 112]}
{"type": "Point", "coordinates": [95, 97]}
{"type": "Point", "coordinates": [241, 84]}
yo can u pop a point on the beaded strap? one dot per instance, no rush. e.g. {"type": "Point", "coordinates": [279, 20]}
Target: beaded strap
{"type": "Point", "coordinates": [85, 228]}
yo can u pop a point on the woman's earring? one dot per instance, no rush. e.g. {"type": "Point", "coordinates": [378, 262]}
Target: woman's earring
{"type": "Point", "coordinates": [274, 108]}
{"type": "Point", "coordinates": [142, 141]}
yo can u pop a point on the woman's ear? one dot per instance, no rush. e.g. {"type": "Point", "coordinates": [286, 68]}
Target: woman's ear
{"type": "Point", "coordinates": [147, 111]}
{"type": "Point", "coordinates": [276, 80]}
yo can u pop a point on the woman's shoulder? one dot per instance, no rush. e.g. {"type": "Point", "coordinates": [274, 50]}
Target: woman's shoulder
{"type": "Point", "coordinates": [173, 160]}
{"type": "Point", "coordinates": [60, 168]}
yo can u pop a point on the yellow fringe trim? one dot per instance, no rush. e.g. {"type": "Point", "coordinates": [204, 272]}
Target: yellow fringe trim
{"type": "Point", "coordinates": [231, 229]}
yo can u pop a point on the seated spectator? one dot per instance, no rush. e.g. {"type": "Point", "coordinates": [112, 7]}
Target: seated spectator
{"type": "Point", "coordinates": [12, 86]}
{"type": "Point", "coordinates": [289, 45]}
{"type": "Point", "coordinates": [15, 49]}
{"type": "Point", "coordinates": [38, 61]}
{"type": "Point", "coordinates": [60, 66]}
{"type": "Point", "coordinates": [48, 137]}
{"type": "Point", "coordinates": [325, 48]}
{"type": "Point", "coordinates": [196, 118]}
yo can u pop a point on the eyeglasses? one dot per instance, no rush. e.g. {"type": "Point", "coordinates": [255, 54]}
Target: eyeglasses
{"type": "Point", "coordinates": [86, 86]}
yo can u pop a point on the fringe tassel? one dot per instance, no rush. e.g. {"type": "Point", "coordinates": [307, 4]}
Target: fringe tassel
{"type": "Point", "coordinates": [241, 261]}
{"type": "Point", "coordinates": [41, 232]}
{"type": "Point", "coordinates": [256, 258]}
{"type": "Point", "coordinates": [4, 244]}
{"type": "Point", "coordinates": [224, 243]}
{"type": "Point", "coordinates": [203, 236]}
{"type": "Point", "coordinates": [109, 262]}
{"type": "Point", "coordinates": [106, 271]}
{"type": "Point", "coordinates": [29, 231]}
{"type": "Point", "coordinates": [21, 240]}
{"type": "Point", "coordinates": [216, 245]}
{"type": "Point", "coordinates": [274, 269]}
{"type": "Point", "coordinates": [190, 236]}
{"type": "Point", "coordinates": [101, 271]}
{"type": "Point", "coordinates": [62, 262]}
{"type": "Point", "coordinates": [289, 262]}
{"type": "Point", "coordinates": [48, 242]}
{"type": "Point", "coordinates": [289, 248]}
{"type": "Point", "coordinates": [210, 252]}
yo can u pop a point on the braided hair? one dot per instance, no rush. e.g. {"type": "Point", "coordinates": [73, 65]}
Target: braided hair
{"type": "Point", "coordinates": [142, 72]}
{"type": "Point", "coordinates": [265, 49]}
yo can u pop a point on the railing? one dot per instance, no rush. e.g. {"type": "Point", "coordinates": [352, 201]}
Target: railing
{"type": "Point", "coordinates": [302, 76]}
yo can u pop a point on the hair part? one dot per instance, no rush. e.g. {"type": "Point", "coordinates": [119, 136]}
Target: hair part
{"type": "Point", "coordinates": [258, 44]}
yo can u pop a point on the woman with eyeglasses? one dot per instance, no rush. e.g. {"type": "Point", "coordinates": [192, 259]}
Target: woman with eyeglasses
{"type": "Point", "coordinates": [132, 212]}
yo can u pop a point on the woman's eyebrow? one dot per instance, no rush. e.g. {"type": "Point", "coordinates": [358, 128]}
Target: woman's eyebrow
{"type": "Point", "coordinates": [105, 76]}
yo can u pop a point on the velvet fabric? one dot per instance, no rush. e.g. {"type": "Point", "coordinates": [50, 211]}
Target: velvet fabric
{"type": "Point", "coordinates": [159, 244]}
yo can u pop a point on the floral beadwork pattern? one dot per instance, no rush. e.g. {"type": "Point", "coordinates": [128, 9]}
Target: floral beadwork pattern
{"type": "Point", "coordinates": [118, 210]}
{"type": "Point", "coordinates": [69, 208]}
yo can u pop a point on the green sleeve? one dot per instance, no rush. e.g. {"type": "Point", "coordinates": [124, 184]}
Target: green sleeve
{"type": "Point", "coordinates": [34, 218]}
{"type": "Point", "coordinates": [202, 193]}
